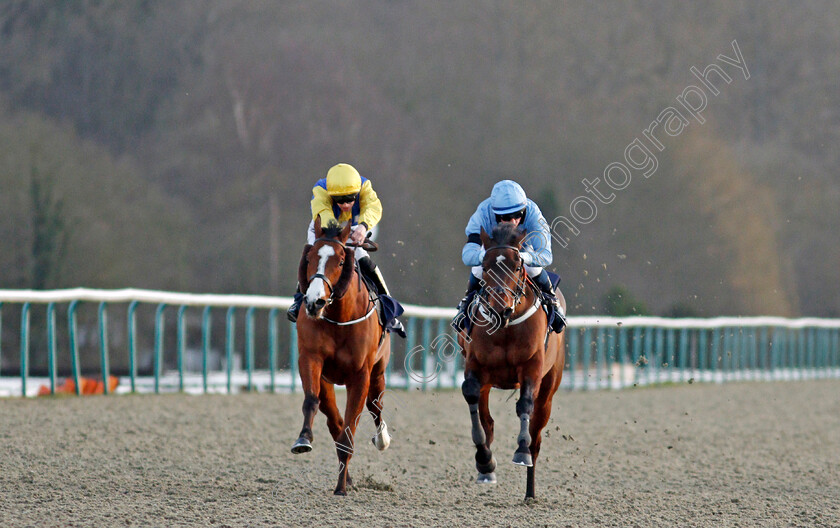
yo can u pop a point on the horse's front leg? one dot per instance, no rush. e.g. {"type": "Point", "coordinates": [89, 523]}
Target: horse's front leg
{"type": "Point", "coordinates": [473, 394]}
{"type": "Point", "coordinates": [529, 386]}
{"type": "Point", "coordinates": [487, 424]}
{"type": "Point", "coordinates": [335, 423]}
{"type": "Point", "coordinates": [357, 391]}
{"type": "Point", "coordinates": [310, 377]}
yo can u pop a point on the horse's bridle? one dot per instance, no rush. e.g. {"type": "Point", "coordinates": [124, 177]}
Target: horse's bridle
{"type": "Point", "coordinates": [520, 289]}
{"type": "Point", "coordinates": [323, 277]}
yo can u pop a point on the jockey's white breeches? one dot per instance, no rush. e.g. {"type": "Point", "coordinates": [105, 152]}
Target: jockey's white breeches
{"type": "Point", "coordinates": [532, 271]}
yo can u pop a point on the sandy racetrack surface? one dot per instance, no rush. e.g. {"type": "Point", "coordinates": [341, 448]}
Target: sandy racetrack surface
{"type": "Point", "coordinates": [741, 454]}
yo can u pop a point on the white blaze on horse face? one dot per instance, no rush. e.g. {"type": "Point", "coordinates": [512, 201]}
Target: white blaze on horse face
{"type": "Point", "coordinates": [500, 259]}
{"type": "Point", "coordinates": [316, 287]}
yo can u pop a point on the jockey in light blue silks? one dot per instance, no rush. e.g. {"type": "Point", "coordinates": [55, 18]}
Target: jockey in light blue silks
{"type": "Point", "coordinates": [508, 203]}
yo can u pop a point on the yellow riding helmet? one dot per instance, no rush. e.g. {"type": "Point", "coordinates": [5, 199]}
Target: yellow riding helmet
{"type": "Point", "coordinates": [343, 179]}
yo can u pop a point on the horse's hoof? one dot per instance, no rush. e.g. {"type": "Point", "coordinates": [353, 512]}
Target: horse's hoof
{"type": "Point", "coordinates": [342, 493]}
{"type": "Point", "coordinates": [486, 478]}
{"type": "Point", "coordinates": [382, 439]}
{"type": "Point", "coordinates": [301, 446]}
{"type": "Point", "coordinates": [522, 459]}
{"type": "Point", "coordinates": [489, 467]}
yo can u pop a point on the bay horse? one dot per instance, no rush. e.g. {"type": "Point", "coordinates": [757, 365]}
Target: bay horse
{"type": "Point", "coordinates": [340, 341]}
{"type": "Point", "coordinates": [509, 347]}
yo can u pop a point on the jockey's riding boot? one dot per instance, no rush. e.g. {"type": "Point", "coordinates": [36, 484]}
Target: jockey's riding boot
{"type": "Point", "coordinates": [295, 307]}
{"type": "Point", "coordinates": [460, 319]}
{"type": "Point", "coordinates": [371, 271]}
{"type": "Point", "coordinates": [544, 282]}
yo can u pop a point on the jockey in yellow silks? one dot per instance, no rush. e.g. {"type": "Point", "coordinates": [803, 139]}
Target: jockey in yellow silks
{"type": "Point", "coordinates": [345, 196]}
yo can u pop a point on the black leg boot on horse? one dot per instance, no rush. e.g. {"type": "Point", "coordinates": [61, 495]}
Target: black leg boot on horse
{"type": "Point", "coordinates": [482, 428]}
{"type": "Point", "coordinates": [544, 282]}
{"type": "Point", "coordinates": [371, 271]}
{"type": "Point", "coordinates": [459, 323]}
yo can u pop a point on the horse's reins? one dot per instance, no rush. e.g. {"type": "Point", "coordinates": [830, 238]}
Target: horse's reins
{"type": "Point", "coordinates": [332, 297]}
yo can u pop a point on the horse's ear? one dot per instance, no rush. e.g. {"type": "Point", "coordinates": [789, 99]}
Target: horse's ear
{"type": "Point", "coordinates": [319, 233]}
{"type": "Point", "coordinates": [345, 233]}
{"type": "Point", "coordinates": [485, 238]}
{"type": "Point", "coordinates": [521, 235]}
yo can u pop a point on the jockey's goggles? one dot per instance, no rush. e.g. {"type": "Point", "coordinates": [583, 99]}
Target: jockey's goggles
{"type": "Point", "coordinates": [347, 198]}
{"type": "Point", "coordinates": [510, 216]}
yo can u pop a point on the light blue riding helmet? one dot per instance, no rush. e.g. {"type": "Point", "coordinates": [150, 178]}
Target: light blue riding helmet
{"type": "Point", "coordinates": [507, 197]}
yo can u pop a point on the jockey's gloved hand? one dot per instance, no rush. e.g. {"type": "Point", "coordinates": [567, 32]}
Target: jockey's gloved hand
{"type": "Point", "coordinates": [357, 236]}
{"type": "Point", "coordinates": [526, 257]}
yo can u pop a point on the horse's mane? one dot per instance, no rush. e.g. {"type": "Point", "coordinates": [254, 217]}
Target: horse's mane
{"type": "Point", "coordinates": [332, 230]}
{"type": "Point", "coordinates": [504, 234]}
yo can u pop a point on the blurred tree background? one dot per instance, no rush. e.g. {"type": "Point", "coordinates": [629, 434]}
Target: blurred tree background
{"type": "Point", "coordinates": [143, 143]}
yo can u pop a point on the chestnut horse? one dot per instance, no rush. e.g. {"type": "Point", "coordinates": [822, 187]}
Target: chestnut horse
{"type": "Point", "coordinates": [509, 348]}
{"type": "Point", "coordinates": [340, 341]}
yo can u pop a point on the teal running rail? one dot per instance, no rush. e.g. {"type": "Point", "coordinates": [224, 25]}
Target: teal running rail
{"type": "Point", "coordinates": [101, 339]}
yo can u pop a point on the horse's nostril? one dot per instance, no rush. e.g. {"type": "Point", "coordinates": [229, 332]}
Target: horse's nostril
{"type": "Point", "coordinates": [508, 312]}
{"type": "Point", "coordinates": [320, 303]}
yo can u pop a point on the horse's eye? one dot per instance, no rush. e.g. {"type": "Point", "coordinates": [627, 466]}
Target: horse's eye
{"type": "Point", "coordinates": [341, 263]}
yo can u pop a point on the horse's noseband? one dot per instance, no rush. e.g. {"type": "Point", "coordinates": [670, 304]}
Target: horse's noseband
{"type": "Point", "coordinates": [327, 282]}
